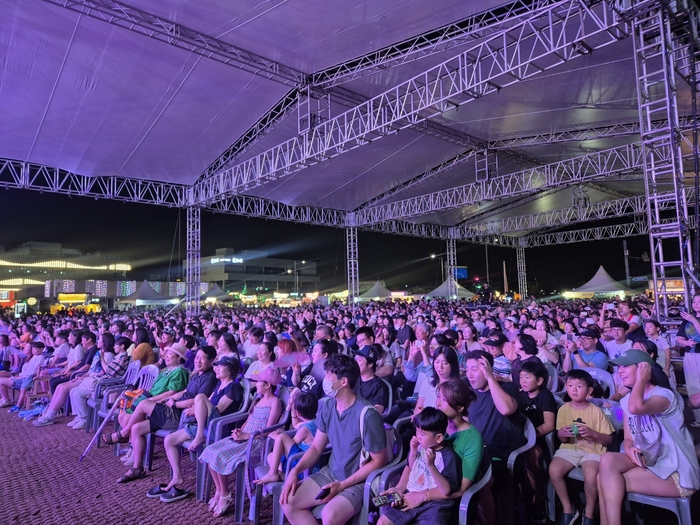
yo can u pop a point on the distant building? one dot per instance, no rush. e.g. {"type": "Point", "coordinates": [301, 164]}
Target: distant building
{"type": "Point", "coordinates": [55, 268]}
{"type": "Point", "coordinates": [254, 271]}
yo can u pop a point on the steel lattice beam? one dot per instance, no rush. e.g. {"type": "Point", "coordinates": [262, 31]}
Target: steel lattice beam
{"type": "Point", "coordinates": [623, 160]}
{"type": "Point", "coordinates": [558, 218]}
{"type": "Point", "coordinates": [182, 37]}
{"type": "Point", "coordinates": [586, 235]}
{"type": "Point", "coordinates": [193, 271]}
{"type": "Point", "coordinates": [431, 42]}
{"type": "Point", "coordinates": [29, 176]}
{"type": "Point", "coordinates": [423, 230]}
{"type": "Point", "coordinates": [267, 209]}
{"type": "Point", "coordinates": [524, 50]}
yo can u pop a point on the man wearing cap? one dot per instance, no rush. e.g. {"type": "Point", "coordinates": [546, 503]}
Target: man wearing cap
{"type": "Point", "coordinates": [620, 344]}
{"type": "Point", "coordinates": [501, 365]}
{"type": "Point", "coordinates": [371, 387]}
{"type": "Point", "coordinates": [587, 354]}
{"type": "Point", "coordinates": [165, 414]}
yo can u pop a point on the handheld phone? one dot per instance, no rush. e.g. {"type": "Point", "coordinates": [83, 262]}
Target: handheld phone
{"type": "Point", "coordinates": [323, 494]}
{"type": "Point", "coordinates": [381, 501]}
{"type": "Point", "coordinates": [420, 343]}
{"type": "Point", "coordinates": [569, 337]}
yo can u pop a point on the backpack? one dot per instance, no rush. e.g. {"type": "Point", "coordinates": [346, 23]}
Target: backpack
{"type": "Point", "coordinates": [390, 441]}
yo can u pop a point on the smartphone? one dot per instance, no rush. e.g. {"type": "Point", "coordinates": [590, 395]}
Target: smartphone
{"type": "Point", "coordinates": [381, 501]}
{"type": "Point", "coordinates": [640, 458]}
{"type": "Point", "coordinates": [420, 343]}
{"type": "Point", "coordinates": [610, 306]}
{"type": "Point", "coordinates": [569, 337]}
{"type": "Point", "coordinates": [323, 494]}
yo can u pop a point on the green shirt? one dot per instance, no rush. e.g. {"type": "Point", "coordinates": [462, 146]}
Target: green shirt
{"type": "Point", "coordinates": [175, 380]}
{"type": "Point", "coordinates": [469, 447]}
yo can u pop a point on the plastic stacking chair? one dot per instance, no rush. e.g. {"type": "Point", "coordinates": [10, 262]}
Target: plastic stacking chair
{"type": "Point", "coordinates": [679, 506]}
{"type": "Point", "coordinates": [604, 378]}
{"type": "Point", "coordinates": [391, 398]}
{"type": "Point", "coordinates": [553, 380]}
{"type": "Point", "coordinates": [95, 400]}
{"type": "Point", "coordinates": [145, 379]}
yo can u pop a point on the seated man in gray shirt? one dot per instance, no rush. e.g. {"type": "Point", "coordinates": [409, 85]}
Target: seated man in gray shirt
{"type": "Point", "coordinates": [338, 423]}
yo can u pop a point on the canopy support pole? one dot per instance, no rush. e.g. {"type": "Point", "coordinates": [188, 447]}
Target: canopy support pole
{"type": "Point", "coordinates": [353, 270]}
{"type": "Point", "coordinates": [193, 277]}
{"type": "Point", "coordinates": [522, 272]}
{"type": "Point", "coordinates": [451, 264]}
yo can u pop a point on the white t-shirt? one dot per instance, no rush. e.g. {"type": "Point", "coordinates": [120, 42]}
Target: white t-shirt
{"type": "Point", "coordinates": [31, 366]}
{"type": "Point", "coordinates": [62, 351]}
{"type": "Point", "coordinates": [615, 349]}
{"type": "Point", "coordinates": [250, 349]}
{"type": "Point", "coordinates": [76, 353]}
{"type": "Point", "coordinates": [255, 368]}
{"type": "Point", "coordinates": [429, 392]}
{"type": "Point", "coordinates": [677, 449]}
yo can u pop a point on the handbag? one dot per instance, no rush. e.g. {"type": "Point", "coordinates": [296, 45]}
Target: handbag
{"type": "Point", "coordinates": [649, 447]}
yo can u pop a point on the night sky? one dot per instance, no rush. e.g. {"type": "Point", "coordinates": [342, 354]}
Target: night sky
{"type": "Point", "coordinates": [149, 236]}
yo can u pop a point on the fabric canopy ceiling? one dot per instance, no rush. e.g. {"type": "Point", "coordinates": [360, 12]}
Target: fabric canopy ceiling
{"type": "Point", "coordinates": [86, 92]}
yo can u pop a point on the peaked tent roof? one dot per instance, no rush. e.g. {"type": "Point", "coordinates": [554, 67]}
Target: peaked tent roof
{"type": "Point", "coordinates": [217, 293]}
{"type": "Point", "coordinates": [378, 290]}
{"type": "Point", "coordinates": [443, 290]}
{"type": "Point", "coordinates": [145, 294]}
{"type": "Point", "coordinates": [601, 282]}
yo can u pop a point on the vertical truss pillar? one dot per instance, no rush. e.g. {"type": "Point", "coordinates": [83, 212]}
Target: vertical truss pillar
{"type": "Point", "coordinates": [522, 273]}
{"type": "Point", "coordinates": [670, 247]}
{"type": "Point", "coordinates": [313, 109]}
{"type": "Point", "coordinates": [451, 265]}
{"type": "Point", "coordinates": [192, 278]}
{"type": "Point", "coordinates": [353, 271]}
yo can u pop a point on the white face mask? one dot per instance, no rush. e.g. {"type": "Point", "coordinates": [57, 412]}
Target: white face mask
{"type": "Point", "coordinates": [328, 387]}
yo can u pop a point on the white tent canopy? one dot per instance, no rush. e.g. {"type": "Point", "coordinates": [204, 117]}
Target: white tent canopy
{"type": "Point", "coordinates": [144, 295]}
{"type": "Point", "coordinates": [215, 293]}
{"type": "Point", "coordinates": [378, 291]}
{"type": "Point", "coordinates": [600, 283]}
{"type": "Point", "coordinates": [443, 290]}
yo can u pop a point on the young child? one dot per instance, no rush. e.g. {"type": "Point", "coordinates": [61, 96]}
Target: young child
{"type": "Point", "coordinates": [24, 381]}
{"type": "Point", "coordinates": [431, 464]}
{"type": "Point", "coordinates": [304, 410]}
{"type": "Point", "coordinates": [538, 405]}
{"type": "Point", "coordinates": [585, 433]}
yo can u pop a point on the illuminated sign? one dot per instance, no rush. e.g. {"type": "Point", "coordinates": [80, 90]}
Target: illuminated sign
{"type": "Point", "coordinates": [217, 260]}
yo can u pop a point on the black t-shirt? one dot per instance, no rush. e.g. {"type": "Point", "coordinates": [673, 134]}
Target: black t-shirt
{"type": "Point", "coordinates": [501, 434]}
{"type": "Point", "coordinates": [374, 391]}
{"type": "Point", "coordinates": [405, 333]}
{"type": "Point", "coordinates": [517, 364]}
{"type": "Point", "coordinates": [533, 408]}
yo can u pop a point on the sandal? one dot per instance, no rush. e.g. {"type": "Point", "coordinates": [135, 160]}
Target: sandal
{"type": "Point", "coordinates": [223, 504]}
{"type": "Point", "coordinates": [132, 474]}
{"type": "Point", "coordinates": [109, 440]}
{"type": "Point", "coordinates": [213, 501]}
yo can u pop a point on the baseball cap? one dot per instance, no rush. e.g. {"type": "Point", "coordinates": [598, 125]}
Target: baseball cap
{"type": "Point", "coordinates": [269, 375]}
{"type": "Point", "coordinates": [491, 342]}
{"type": "Point", "coordinates": [368, 353]}
{"type": "Point", "coordinates": [589, 333]}
{"type": "Point", "coordinates": [512, 319]}
{"type": "Point", "coordinates": [226, 361]}
{"type": "Point", "coordinates": [632, 357]}
{"type": "Point", "coordinates": [168, 330]}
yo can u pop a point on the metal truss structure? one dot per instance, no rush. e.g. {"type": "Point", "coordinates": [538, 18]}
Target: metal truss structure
{"type": "Point", "coordinates": [522, 272]}
{"type": "Point", "coordinates": [192, 276]}
{"type": "Point", "coordinates": [657, 52]}
{"type": "Point", "coordinates": [544, 40]}
{"type": "Point", "coordinates": [621, 161]}
{"type": "Point", "coordinates": [451, 266]}
{"type": "Point", "coordinates": [508, 44]}
{"type": "Point", "coordinates": [167, 31]}
{"type": "Point", "coordinates": [29, 176]}
{"type": "Point", "coordinates": [353, 269]}
{"type": "Point", "coordinates": [434, 41]}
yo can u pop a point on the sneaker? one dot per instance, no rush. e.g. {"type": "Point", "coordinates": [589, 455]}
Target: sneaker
{"type": "Point", "coordinates": [14, 409]}
{"type": "Point", "coordinates": [539, 516]}
{"type": "Point", "coordinates": [73, 422]}
{"type": "Point", "coordinates": [43, 421]}
{"type": "Point", "coordinates": [79, 425]}
{"type": "Point", "coordinates": [568, 519]}
{"type": "Point", "coordinates": [589, 521]}
{"type": "Point", "coordinates": [5, 404]}
{"type": "Point", "coordinates": [695, 424]}
{"type": "Point", "coordinates": [174, 494]}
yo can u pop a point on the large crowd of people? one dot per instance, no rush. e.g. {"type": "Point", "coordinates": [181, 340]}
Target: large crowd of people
{"type": "Point", "coordinates": [462, 378]}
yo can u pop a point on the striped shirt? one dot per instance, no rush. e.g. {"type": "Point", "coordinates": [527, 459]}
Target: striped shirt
{"type": "Point", "coordinates": [118, 366]}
